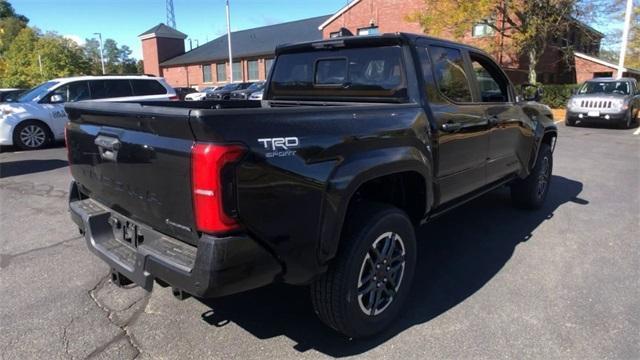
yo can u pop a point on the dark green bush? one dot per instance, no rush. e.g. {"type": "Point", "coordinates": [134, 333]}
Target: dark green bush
{"type": "Point", "coordinates": [556, 96]}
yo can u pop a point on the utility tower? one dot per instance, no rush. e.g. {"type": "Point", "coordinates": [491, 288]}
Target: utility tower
{"type": "Point", "coordinates": [171, 16]}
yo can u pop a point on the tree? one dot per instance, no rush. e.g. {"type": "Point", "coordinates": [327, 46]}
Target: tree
{"type": "Point", "coordinates": [526, 25]}
{"type": "Point", "coordinates": [632, 58]}
{"type": "Point", "coordinates": [58, 56]}
{"type": "Point", "coordinates": [92, 53]}
{"type": "Point", "coordinates": [6, 11]}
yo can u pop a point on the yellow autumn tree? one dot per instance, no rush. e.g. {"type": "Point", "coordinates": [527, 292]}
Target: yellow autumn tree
{"type": "Point", "coordinates": [529, 25]}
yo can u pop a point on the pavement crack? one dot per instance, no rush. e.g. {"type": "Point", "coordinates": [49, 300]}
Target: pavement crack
{"type": "Point", "coordinates": [65, 338]}
{"type": "Point", "coordinates": [5, 259]}
{"type": "Point", "coordinates": [125, 332]}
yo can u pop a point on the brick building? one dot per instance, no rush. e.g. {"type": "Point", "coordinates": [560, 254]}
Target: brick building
{"type": "Point", "coordinates": [208, 64]}
{"type": "Point", "coordinates": [253, 49]}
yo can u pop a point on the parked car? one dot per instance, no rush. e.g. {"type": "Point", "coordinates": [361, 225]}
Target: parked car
{"type": "Point", "coordinates": [321, 184]}
{"type": "Point", "coordinates": [605, 100]}
{"type": "Point", "coordinates": [256, 95]}
{"type": "Point", "coordinates": [244, 94]}
{"type": "Point", "coordinates": [182, 92]}
{"type": "Point", "coordinates": [38, 117]}
{"type": "Point", "coordinates": [9, 95]}
{"type": "Point", "coordinates": [224, 93]}
{"type": "Point", "coordinates": [201, 95]}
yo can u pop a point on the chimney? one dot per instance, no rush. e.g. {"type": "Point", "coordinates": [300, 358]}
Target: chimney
{"type": "Point", "coordinates": [160, 43]}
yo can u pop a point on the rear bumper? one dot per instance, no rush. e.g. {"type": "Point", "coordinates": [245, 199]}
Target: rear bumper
{"type": "Point", "coordinates": [215, 267]}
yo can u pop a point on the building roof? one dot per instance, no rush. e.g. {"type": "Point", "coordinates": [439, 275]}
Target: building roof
{"type": "Point", "coordinates": [605, 63]}
{"type": "Point", "coordinates": [252, 42]}
{"type": "Point", "coordinates": [162, 30]}
{"type": "Point", "coordinates": [344, 9]}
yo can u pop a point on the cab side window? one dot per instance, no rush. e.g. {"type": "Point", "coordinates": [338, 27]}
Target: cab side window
{"type": "Point", "coordinates": [75, 91]}
{"type": "Point", "coordinates": [492, 85]}
{"type": "Point", "coordinates": [103, 89]}
{"type": "Point", "coordinates": [448, 70]}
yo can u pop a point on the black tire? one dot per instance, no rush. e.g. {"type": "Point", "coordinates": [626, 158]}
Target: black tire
{"type": "Point", "coordinates": [530, 192]}
{"type": "Point", "coordinates": [335, 295]}
{"type": "Point", "coordinates": [627, 123]}
{"type": "Point", "coordinates": [31, 135]}
{"type": "Point", "coordinates": [570, 122]}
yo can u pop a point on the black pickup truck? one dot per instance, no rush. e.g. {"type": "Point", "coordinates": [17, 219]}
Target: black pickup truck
{"type": "Point", "coordinates": [358, 141]}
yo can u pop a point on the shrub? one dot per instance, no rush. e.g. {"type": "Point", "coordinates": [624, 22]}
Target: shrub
{"type": "Point", "coordinates": [556, 96]}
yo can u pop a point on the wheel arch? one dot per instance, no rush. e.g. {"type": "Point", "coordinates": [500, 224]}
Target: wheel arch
{"type": "Point", "coordinates": [46, 126]}
{"type": "Point", "coordinates": [372, 170]}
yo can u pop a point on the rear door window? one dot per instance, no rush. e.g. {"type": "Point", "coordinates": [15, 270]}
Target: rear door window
{"type": "Point", "coordinates": [104, 89]}
{"type": "Point", "coordinates": [147, 87]}
{"type": "Point", "coordinates": [451, 77]}
{"type": "Point", "coordinates": [341, 75]}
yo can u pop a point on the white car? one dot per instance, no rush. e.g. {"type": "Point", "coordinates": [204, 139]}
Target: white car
{"type": "Point", "coordinates": [200, 95]}
{"type": "Point", "coordinates": [256, 95]}
{"type": "Point", "coordinates": [37, 117]}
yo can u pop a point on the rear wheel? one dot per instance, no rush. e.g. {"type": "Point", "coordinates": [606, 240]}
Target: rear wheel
{"type": "Point", "coordinates": [530, 192]}
{"type": "Point", "coordinates": [31, 135]}
{"type": "Point", "coordinates": [364, 289]}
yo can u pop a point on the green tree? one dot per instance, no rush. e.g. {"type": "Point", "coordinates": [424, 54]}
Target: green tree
{"type": "Point", "coordinates": [33, 58]}
{"type": "Point", "coordinates": [527, 25]}
{"type": "Point", "coordinates": [20, 60]}
{"type": "Point", "coordinates": [10, 25]}
{"type": "Point", "coordinates": [92, 53]}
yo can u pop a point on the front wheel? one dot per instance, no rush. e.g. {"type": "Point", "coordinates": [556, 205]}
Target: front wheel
{"type": "Point", "coordinates": [31, 135]}
{"type": "Point", "coordinates": [530, 192]}
{"type": "Point", "coordinates": [364, 289]}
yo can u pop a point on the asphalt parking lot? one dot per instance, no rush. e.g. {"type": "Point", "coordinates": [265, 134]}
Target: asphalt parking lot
{"type": "Point", "coordinates": [492, 281]}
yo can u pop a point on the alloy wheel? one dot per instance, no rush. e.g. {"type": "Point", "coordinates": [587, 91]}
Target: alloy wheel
{"type": "Point", "coordinates": [381, 274]}
{"type": "Point", "coordinates": [543, 177]}
{"type": "Point", "coordinates": [33, 136]}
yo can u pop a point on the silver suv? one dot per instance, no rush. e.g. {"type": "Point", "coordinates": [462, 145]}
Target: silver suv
{"type": "Point", "coordinates": [605, 100]}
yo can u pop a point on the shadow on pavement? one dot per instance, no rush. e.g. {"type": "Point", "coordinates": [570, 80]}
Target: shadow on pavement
{"type": "Point", "coordinates": [23, 167]}
{"type": "Point", "coordinates": [458, 254]}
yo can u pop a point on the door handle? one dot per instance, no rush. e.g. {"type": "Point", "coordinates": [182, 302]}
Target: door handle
{"type": "Point", "coordinates": [451, 126]}
{"type": "Point", "coordinates": [108, 147]}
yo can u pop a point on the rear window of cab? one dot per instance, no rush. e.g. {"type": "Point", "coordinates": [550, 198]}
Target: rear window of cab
{"type": "Point", "coordinates": [341, 75]}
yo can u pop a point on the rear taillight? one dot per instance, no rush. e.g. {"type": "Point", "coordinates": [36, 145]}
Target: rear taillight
{"type": "Point", "coordinates": [174, 98]}
{"type": "Point", "coordinates": [207, 164]}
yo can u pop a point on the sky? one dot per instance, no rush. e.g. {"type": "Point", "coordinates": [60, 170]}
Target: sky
{"type": "Point", "coordinates": [124, 20]}
{"type": "Point", "coordinates": [201, 20]}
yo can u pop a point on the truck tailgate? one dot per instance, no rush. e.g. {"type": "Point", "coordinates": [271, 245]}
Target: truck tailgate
{"type": "Point", "coordinates": [135, 160]}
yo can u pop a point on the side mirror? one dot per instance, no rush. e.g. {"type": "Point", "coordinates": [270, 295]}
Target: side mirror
{"type": "Point", "coordinates": [56, 99]}
{"type": "Point", "coordinates": [531, 92]}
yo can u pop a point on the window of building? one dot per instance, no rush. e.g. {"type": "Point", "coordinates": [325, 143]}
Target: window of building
{"type": "Point", "coordinates": [492, 84]}
{"type": "Point", "coordinates": [268, 64]}
{"type": "Point", "coordinates": [237, 71]}
{"type": "Point", "coordinates": [147, 87]}
{"type": "Point", "coordinates": [371, 30]}
{"type": "Point", "coordinates": [206, 73]}
{"type": "Point", "coordinates": [448, 69]}
{"type": "Point", "coordinates": [482, 29]}
{"type": "Point", "coordinates": [252, 69]}
{"type": "Point", "coordinates": [221, 72]}
{"type": "Point", "coordinates": [603, 74]}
